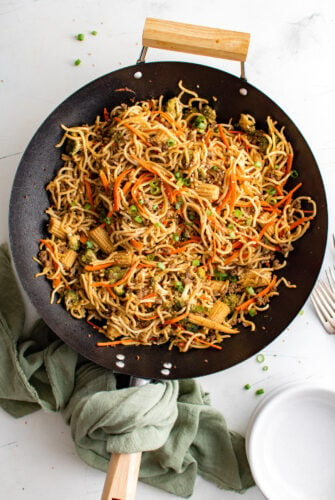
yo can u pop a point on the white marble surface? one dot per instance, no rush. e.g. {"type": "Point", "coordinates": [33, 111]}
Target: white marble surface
{"type": "Point", "coordinates": [291, 59]}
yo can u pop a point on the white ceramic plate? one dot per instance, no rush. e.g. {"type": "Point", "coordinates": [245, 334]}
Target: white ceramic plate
{"type": "Point", "coordinates": [290, 444]}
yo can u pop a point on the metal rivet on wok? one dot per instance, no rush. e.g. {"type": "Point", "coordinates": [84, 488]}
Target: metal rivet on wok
{"type": "Point", "coordinates": [138, 75]}
{"type": "Point", "coordinates": [120, 364]}
{"type": "Point", "coordinates": [243, 91]}
{"type": "Point", "coordinates": [120, 356]}
{"type": "Point", "coordinates": [167, 365]}
{"type": "Point", "coordinates": [165, 372]}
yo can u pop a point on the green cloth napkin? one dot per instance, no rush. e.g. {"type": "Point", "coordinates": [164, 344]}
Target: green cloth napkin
{"type": "Point", "coordinates": [172, 422]}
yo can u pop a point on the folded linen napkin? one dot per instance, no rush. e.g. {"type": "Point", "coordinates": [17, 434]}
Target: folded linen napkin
{"type": "Point", "coordinates": [172, 422]}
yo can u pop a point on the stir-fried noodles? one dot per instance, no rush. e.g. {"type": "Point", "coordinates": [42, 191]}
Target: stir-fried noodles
{"type": "Point", "coordinates": [167, 226]}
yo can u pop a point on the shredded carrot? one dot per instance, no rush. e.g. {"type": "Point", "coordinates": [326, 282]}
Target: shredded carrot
{"type": "Point", "coordinates": [93, 325]}
{"type": "Point", "coordinates": [133, 130]}
{"type": "Point", "coordinates": [300, 221]}
{"type": "Point", "coordinates": [116, 188]}
{"type": "Point", "coordinates": [99, 266]}
{"type": "Point", "coordinates": [287, 197]}
{"type": "Point", "coordinates": [265, 290]}
{"type": "Point", "coordinates": [126, 187]}
{"type": "Point", "coordinates": [208, 136]}
{"type": "Point", "coordinates": [89, 193]}
{"type": "Point", "coordinates": [83, 238]}
{"type": "Point", "coordinates": [265, 228]}
{"type": "Point", "coordinates": [106, 115]}
{"type": "Point", "coordinates": [223, 136]}
{"type": "Point", "coordinates": [106, 284]}
{"type": "Point", "coordinates": [289, 163]}
{"type": "Point", "coordinates": [149, 296]}
{"type": "Point", "coordinates": [110, 291]}
{"type": "Point", "coordinates": [175, 319]}
{"type": "Point", "coordinates": [137, 244]}
{"type": "Point", "coordinates": [104, 180]}
{"type": "Point", "coordinates": [208, 343]}
{"type": "Point", "coordinates": [232, 257]}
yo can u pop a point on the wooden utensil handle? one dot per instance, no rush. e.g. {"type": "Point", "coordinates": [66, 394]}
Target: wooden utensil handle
{"type": "Point", "coordinates": [181, 37]}
{"type": "Point", "coordinates": [122, 476]}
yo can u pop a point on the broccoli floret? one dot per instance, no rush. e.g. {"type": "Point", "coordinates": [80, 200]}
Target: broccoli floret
{"type": "Point", "coordinates": [119, 290]}
{"type": "Point", "coordinates": [74, 242]}
{"type": "Point", "coordinates": [259, 139]}
{"type": "Point", "coordinates": [88, 257]}
{"type": "Point", "coordinates": [72, 146]}
{"type": "Point", "coordinates": [174, 107]}
{"type": "Point", "coordinates": [231, 300]}
{"type": "Point", "coordinates": [70, 297]}
{"type": "Point", "coordinates": [115, 273]}
{"type": "Point", "coordinates": [247, 123]}
{"type": "Point", "coordinates": [209, 113]}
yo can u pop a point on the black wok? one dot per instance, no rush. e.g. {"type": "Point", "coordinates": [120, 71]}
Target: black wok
{"type": "Point", "coordinates": [41, 160]}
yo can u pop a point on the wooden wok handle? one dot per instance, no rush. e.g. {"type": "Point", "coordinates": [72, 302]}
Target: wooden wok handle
{"type": "Point", "coordinates": [181, 37]}
{"type": "Point", "coordinates": [122, 475]}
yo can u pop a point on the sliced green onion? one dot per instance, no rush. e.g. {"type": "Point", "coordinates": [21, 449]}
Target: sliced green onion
{"type": "Point", "coordinates": [247, 387]}
{"type": "Point", "coordinates": [77, 62]}
{"type": "Point", "coordinates": [209, 212]}
{"type": "Point", "coordinates": [257, 164]}
{"type": "Point", "coordinates": [252, 312]}
{"type": "Point", "coordinates": [177, 175]}
{"type": "Point", "coordinates": [157, 224]}
{"type": "Point", "coordinates": [271, 191]}
{"type": "Point", "coordinates": [73, 203]}
{"type": "Point", "coordinates": [259, 392]}
{"type": "Point", "coordinates": [216, 168]}
{"type": "Point", "coordinates": [161, 265]}
{"type": "Point", "coordinates": [89, 244]}
{"type": "Point", "coordinates": [87, 206]}
{"type": "Point", "coordinates": [237, 213]}
{"type": "Point", "coordinates": [150, 256]}
{"type": "Point", "coordinates": [265, 368]}
{"type": "Point", "coordinates": [250, 290]}
{"type": "Point", "coordinates": [94, 33]}
{"type": "Point", "coordinates": [294, 174]}
{"type": "Point", "coordinates": [170, 142]}
{"type": "Point", "coordinates": [260, 358]}
{"type": "Point", "coordinates": [138, 219]}
{"type": "Point", "coordinates": [80, 37]}
{"type": "Point", "coordinates": [175, 237]}
{"type": "Point", "coordinates": [133, 209]}
{"type": "Point", "coordinates": [179, 286]}
{"type": "Point", "coordinates": [196, 262]}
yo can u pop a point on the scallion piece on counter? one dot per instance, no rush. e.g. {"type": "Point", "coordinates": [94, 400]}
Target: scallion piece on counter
{"type": "Point", "coordinates": [259, 392]}
{"type": "Point", "coordinates": [77, 62]}
{"type": "Point", "coordinates": [260, 358]}
{"type": "Point", "coordinates": [247, 387]}
{"type": "Point", "coordinates": [80, 37]}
